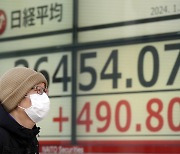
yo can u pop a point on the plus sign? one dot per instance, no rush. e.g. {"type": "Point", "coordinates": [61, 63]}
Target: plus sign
{"type": "Point", "coordinates": [60, 119]}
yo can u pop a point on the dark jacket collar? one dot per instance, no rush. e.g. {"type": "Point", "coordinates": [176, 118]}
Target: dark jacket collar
{"type": "Point", "coordinates": [14, 128]}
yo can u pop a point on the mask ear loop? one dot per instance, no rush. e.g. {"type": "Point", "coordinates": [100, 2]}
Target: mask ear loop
{"type": "Point", "coordinates": [26, 96]}
{"type": "Point", "coordinates": [21, 107]}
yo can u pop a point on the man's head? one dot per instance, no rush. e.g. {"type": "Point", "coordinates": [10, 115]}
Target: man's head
{"type": "Point", "coordinates": [16, 83]}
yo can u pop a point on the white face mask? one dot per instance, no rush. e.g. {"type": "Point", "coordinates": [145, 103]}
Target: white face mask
{"type": "Point", "coordinates": [40, 105]}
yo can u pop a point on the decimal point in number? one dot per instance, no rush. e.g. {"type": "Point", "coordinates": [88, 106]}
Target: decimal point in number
{"type": "Point", "coordinates": [128, 83]}
{"type": "Point", "coordinates": [138, 127]}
